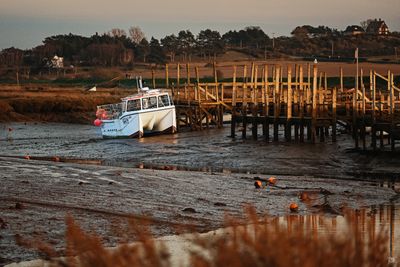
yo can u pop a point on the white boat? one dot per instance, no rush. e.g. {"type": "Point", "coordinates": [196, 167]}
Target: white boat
{"type": "Point", "coordinates": [150, 111]}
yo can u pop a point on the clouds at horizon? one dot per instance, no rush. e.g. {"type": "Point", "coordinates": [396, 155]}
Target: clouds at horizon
{"type": "Point", "coordinates": [24, 23]}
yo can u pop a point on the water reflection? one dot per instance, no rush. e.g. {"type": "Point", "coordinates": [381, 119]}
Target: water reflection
{"type": "Point", "coordinates": [370, 222]}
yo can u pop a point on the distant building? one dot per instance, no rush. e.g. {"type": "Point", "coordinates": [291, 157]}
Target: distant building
{"type": "Point", "coordinates": [377, 27]}
{"type": "Point", "coordinates": [57, 62]}
{"type": "Point", "coordinates": [354, 30]}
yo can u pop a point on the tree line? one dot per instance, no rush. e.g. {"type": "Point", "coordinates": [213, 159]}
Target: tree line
{"type": "Point", "coordinates": [119, 48]}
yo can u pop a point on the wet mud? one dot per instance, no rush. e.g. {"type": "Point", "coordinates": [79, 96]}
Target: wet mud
{"type": "Point", "coordinates": [187, 181]}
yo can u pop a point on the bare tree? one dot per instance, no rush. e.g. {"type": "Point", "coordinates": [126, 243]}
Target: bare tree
{"type": "Point", "coordinates": [136, 34]}
{"type": "Point", "coordinates": [117, 32]}
{"type": "Point", "coordinates": [364, 24]}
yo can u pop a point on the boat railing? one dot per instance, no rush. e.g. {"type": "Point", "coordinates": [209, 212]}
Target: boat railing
{"type": "Point", "coordinates": [109, 111]}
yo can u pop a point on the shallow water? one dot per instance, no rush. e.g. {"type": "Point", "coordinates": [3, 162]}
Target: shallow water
{"type": "Point", "coordinates": [209, 150]}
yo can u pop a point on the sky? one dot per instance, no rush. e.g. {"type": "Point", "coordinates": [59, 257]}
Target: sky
{"type": "Point", "coordinates": [25, 23]}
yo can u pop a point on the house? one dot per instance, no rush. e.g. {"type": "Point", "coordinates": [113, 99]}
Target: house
{"type": "Point", "coordinates": [354, 30]}
{"type": "Point", "coordinates": [377, 27]}
{"type": "Point", "coordinates": [57, 62]}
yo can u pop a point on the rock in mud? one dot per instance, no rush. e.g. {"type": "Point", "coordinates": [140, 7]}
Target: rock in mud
{"type": "Point", "coordinates": [19, 206]}
{"type": "Point", "coordinates": [189, 210]}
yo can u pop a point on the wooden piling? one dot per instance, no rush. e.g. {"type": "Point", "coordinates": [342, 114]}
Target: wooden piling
{"type": "Point", "coordinates": [178, 78]}
{"type": "Point", "coordinates": [372, 80]}
{"type": "Point", "coordinates": [166, 76]}
{"type": "Point", "coordinates": [334, 112]}
{"type": "Point", "coordinates": [153, 78]}
{"type": "Point", "coordinates": [289, 105]}
{"type": "Point", "coordinates": [188, 73]}
{"type": "Point", "coordinates": [314, 105]}
{"type": "Point", "coordinates": [276, 103]}
{"type": "Point", "coordinates": [303, 105]}
{"type": "Point", "coordinates": [233, 119]}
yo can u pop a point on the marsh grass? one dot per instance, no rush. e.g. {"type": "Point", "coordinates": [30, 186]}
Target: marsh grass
{"type": "Point", "coordinates": [293, 240]}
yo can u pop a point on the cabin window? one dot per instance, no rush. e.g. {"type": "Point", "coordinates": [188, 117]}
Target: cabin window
{"type": "Point", "coordinates": [149, 102]}
{"type": "Point", "coordinates": [133, 105]}
{"type": "Point", "coordinates": [163, 101]}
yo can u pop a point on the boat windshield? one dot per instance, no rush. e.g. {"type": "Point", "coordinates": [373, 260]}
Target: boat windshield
{"type": "Point", "coordinates": [133, 105]}
{"type": "Point", "coordinates": [163, 101]}
{"type": "Point", "coordinates": [149, 102]}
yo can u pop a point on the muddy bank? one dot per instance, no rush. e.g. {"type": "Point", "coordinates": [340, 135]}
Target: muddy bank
{"type": "Point", "coordinates": [206, 174]}
{"type": "Point", "coordinates": [47, 104]}
{"type": "Point", "coordinates": [36, 195]}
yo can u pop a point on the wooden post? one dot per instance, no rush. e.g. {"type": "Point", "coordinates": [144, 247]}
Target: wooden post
{"type": "Point", "coordinates": [188, 73]}
{"type": "Point", "coordinates": [255, 85]}
{"type": "Point", "coordinates": [17, 78]}
{"type": "Point", "coordinates": [289, 105]}
{"type": "Point", "coordinates": [392, 126]}
{"type": "Point", "coordinates": [252, 74]}
{"type": "Point", "coordinates": [302, 104]}
{"type": "Point", "coordinates": [355, 111]}
{"type": "Point", "coordinates": [254, 101]}
{"type": "Point", "coordinates": [341, 79]}
{"type": "Point", "coordinates": [166, 76]}
{"type": "Point", "coordinates": [314, 105]}
{"type": "Point", "coordinates": [233, 119]}
{"type": "Point", "coordinates": [215, 73]}
{"type": "Point", "coordinates": [334, 99]}
{"type": "Point", "coordinates": [234, 89]}
{"type": "Point", "coordinates": [266, 85]}
{"type": "Point", "coordinates": [178, 78]}
{"type": "Point", "coordinates": [309, 83]}
{"type": "Point", "coordinates": [263, 90]}
{"type": "Point", "coordinates": [266, 113]}
{"type": "Point", "coordinates": [381, 110]}
{"type": "Point", "coordinates": [373, 92]}
{"type": "Point", "coordinates": [277, 102]}
{"type": "Point", "coordinates": [363, 123]}
{"type": "Point", "coordinates": [153, 78]}
{"type": "Point", "coordinates": [244, 100]}
{"type": "Point", "coordinates": [197, 75]}
{"type": "Point", "coordinates": [320, 81]}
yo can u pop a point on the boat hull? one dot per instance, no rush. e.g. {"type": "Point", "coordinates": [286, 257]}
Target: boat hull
{"type": "Point", "coordinates": [138, 124]}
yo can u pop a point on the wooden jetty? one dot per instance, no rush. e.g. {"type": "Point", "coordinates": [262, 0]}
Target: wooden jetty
{"type": "Point", "coordinates": [294, 99]}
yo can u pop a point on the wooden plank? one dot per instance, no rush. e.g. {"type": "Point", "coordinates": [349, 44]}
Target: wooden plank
{"type": "Point", "coordinates": [381, 76]}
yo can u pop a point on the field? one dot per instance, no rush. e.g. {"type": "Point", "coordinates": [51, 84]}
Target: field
{"type": "Point", "coordinates": [63, 97]}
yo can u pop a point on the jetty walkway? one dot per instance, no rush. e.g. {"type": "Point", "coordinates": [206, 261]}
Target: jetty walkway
{"type": "Point", "coordinates": [293, 98]}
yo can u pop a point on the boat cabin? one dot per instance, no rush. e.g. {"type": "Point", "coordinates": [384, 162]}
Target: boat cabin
{"type": "Point", "coordinates": [147, 101]}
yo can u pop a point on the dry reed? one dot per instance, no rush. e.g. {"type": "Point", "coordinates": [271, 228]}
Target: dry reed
{"type": "Point", "coordinates": [290, 241]}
